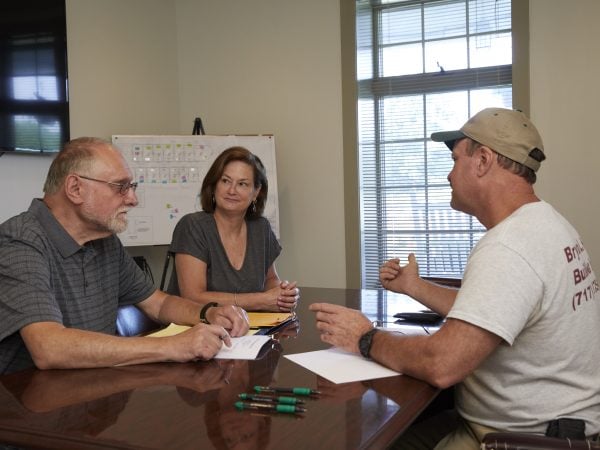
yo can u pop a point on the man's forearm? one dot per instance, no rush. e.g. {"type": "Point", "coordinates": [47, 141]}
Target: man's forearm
{"type": "Point", "coordinates": [438, 298]}
{"type": "Point", "coordinates": [179, 310]}
{"type": "Point", "coordinates": [53, 346]}
{"type": "Point", "coordinates": [442, 359]}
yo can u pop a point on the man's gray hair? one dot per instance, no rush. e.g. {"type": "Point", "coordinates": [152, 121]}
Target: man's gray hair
{"type": "Point", "coordinates": [76, 156]}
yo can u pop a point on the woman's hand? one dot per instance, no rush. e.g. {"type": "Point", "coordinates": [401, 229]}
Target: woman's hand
{"type": "Point", "coordinates": [288, 297]}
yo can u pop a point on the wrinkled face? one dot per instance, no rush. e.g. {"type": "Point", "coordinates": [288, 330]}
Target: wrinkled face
{"type": "Point", "coordinates": [235, 191]}
{"type": "Point", "coordinates": [462, 177]}
{"type": "Point", "coordinates": [105, 207]}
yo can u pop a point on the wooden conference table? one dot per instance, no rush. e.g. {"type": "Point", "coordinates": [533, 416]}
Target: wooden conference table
{"type": "Point", "coordinates": [191, 406]}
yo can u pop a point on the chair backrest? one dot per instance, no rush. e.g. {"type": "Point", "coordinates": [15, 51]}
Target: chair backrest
{"type": "Point", "coordinates": [167, 270]}
{"type": "Point", "coordinates": [132, 321]}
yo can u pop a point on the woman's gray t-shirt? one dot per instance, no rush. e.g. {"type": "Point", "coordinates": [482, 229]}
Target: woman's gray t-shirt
{"type": "Point", "coordinates": [196, 234]}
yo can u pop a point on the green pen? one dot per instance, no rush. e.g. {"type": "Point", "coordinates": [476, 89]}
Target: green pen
{"type": "Point", "coordinates": [292, 390]}
{"type": "Point", "coordinates": [276, 407]}
{"type": "Point", "coordinates": [272, 399]}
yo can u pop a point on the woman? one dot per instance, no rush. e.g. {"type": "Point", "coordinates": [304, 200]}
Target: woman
{"type": "Point", "coordinates": [226, 253]}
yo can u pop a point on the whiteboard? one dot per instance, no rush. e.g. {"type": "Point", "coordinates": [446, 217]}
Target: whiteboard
{"type": "Point", "coordinates": [169, 171]}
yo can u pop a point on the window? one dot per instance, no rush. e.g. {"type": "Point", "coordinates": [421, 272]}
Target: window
{"type": "Point", "coordinates": [422, 66]}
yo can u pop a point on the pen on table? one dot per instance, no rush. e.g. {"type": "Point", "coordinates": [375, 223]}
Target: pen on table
{"type": "Point", "coordinates": [272, 399]}
{"type": "Point", "coordinates": [277, 407]}
{"type": "Point", "coordinates": [292, 390]}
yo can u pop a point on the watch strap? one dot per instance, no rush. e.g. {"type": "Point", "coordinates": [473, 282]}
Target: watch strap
{"type": "Point", "coordinates": [205, 308]}
{"type": "Point", "coordinates": [366, 341]}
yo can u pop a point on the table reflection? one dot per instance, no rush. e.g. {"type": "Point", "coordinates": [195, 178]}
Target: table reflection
{"type": "Point", "coordinates": [191, 405]}
{"type": "Point", "coordinates": [228, 428]}
{"type": "Point", "coordinates": [93, 399]}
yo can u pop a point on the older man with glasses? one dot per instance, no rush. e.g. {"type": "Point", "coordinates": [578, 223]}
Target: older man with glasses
{"type": "Point", "coordinates": [64, 273]}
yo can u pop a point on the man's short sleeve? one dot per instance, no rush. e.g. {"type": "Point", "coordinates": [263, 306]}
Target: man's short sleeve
{"type": "Point", "coordinates": [26, 289]}
{"type": "Point", "coordinates": [499, 293]}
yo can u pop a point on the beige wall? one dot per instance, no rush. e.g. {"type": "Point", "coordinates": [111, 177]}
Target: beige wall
{"type": "Point", "coordinates": [274, 66]}
{"type": "Point", "coordinates": [122, 58]}
{"type": "Point", "coordinates": [565, 69]}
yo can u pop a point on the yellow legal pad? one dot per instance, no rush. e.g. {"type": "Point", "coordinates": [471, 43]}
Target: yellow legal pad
{"type": "Point", "coordinates": [265, 319]}
{"type": "Point", "coordinates": [256, 319]}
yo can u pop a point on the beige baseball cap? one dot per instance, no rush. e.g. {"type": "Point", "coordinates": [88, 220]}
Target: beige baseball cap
{"type": "Point", "coordinates": [506, 131]}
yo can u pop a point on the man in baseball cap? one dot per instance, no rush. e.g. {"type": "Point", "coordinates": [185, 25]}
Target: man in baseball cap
{"type": "Point", "coordinates": [516, 340]}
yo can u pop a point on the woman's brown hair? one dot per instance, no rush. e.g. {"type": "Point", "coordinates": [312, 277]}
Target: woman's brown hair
{"type": "Point", "coordinates": [214, 174]}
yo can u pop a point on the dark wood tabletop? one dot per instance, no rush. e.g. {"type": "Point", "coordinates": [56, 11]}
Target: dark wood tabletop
{"type": "Point", "coordinates": [191, 406]}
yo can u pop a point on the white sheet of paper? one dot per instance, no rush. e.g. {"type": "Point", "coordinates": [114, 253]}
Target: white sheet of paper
{"type": "Point", "coordinates": [244, 347]}
{"type": "Point", "coordinates": [339, 366]}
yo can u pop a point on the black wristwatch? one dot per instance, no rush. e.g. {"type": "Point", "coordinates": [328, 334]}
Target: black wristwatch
{"type": "Point", "coordinates": [203, 318]}
{"type": "Point", "coordinates": [365, 342]}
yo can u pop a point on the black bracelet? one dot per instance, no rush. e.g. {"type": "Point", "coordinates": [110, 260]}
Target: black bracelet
{"type": "Point", "coordinates": [203, 311]}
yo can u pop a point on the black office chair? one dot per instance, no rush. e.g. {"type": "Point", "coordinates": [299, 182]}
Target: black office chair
{"type": "Point", "coordinates": [132, 321]}
{"type": "Point", "coordinates": [167, 270]}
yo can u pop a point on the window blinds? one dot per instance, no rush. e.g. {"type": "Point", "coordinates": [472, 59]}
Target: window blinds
{"type": "Point", "coordinates": [422, 66]}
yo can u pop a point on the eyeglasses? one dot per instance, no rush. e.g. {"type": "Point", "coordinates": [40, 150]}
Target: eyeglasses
{"type": "Point", "coordinates": [123, 187]}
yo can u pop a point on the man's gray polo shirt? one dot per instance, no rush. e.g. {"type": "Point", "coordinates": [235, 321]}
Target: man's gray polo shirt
{"type": "Point", "coordinates": [46, 276]}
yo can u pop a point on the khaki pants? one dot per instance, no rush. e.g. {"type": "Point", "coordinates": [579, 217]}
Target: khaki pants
{"type": "Point", "coordinates": [467, 436]}
{"type": "Point", "coordinates": [444, 431]}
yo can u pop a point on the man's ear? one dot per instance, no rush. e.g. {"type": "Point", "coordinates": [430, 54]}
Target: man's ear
{"type": "Point", "coordinates": [73, 189]}
{"type": "Point", "coordinates": [485, 159]}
